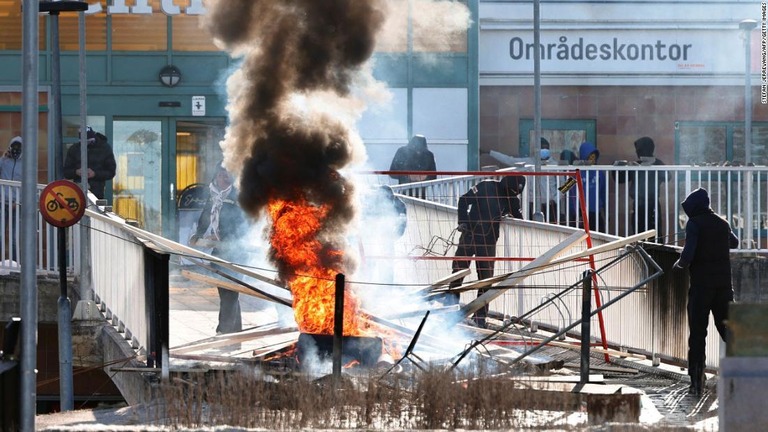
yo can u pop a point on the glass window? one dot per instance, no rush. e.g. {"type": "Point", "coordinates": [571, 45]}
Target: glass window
{"type": "Point", "coordinates": [137, 185]}
{"type": "Point", "coordinates": [426, 17]}
{"type": "Point", "coordinates": [190, 35]}
{"type": "Point", "coordinates": [759, 142]}
{"type": "Point", "coordinates": [10, 26]}
{"type": "Point", "coordinates": [702, 144]}
{"type": "Point", "coordinates": [393, 36]}
{"type": "Point", "coordinates": [561, 134]}
{"type": "Point", "coordinates": [10, 126]}
{"type": "Point", "coordinates": [429, 16]}
{"type": "Point", "coordinates": [95, 31]}
{"type": "Point", "coordinates": [717, 142]}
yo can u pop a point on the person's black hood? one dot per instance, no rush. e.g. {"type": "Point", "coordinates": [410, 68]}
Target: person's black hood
{"type": "Point", "coordinates": [14, 152]}
{"type": "Point", "coordinates": [418, 143]}
{"type": "Point", "coordinates": [514, 185]}
{"type": "Point", "coordinates": [644, 147]}
{"type": "Point", "coordinates": [696, 203]}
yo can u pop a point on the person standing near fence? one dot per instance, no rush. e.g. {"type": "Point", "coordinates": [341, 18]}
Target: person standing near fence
{"type": "Point", "coordinates": [595, 184]}
{"type": "Point", "coordinates": [221, 225]}
{"type": "Point", "coordinates": [545, 190]}
{"type": "Point", "coordinates": [101, 163]}
{"type": "Point", "coordinates": [706, 254]}
{"type": "Point", "coordinates": [480, 211]}
{"type": "Point", "coordinates": [644, 185]}
{"type": "Point", "coordinates": [413, 157]}
{"type": "Point", "coordinates": [10, 169]}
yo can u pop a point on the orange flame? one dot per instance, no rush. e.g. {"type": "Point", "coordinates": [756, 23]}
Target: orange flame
{"type": "Point", "coordinates": [296, 226]}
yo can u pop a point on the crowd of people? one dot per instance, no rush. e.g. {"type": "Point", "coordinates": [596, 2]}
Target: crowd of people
{"type": "Point", "coordinates": [709, 237]}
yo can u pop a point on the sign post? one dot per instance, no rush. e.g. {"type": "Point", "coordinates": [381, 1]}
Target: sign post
{"type": "Point", "coordinates": [62, 204]}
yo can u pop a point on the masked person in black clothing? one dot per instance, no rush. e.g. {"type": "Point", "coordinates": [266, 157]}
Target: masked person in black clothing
{"type": "Point", "coordinates": [480, 211]}
{"type": "Point", "coordinates": [413, 157]}
{"type": "Point", "coordinates": [644, 185]}
{"type": "Point", "coordinates": [708, 240]}
{"type": "Point", "coordinates": [101, 163]}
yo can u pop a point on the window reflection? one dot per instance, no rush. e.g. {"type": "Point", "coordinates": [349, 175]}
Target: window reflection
{"type": "Point", "coordinates": [137, 183]}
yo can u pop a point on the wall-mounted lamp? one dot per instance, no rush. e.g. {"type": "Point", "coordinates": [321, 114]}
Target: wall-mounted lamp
{"type": "Point", "coordinates": [170, 76]}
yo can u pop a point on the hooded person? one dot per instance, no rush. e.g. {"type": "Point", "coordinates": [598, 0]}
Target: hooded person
{"type": "Point", "coordinates": [10, 169]}
{"type": "Point", "coordinates": [567, 157]}
{"type": "Point", "coordinates": [480, 211]}
{"type": "Point", "coordinates": [545, 189]}
{"type": "Point", "coordinates": [101, 162]}
{"type": "Point", "coordinates": [644, 185]}
{"type": "Point", "coordinates": [10, 162]}
{"type": "Point", "coordinates": [706, 255]}
{"type": "Point", "coordinates": [413, 157]}
{"type": "Point", "coordinates": [595, 185]}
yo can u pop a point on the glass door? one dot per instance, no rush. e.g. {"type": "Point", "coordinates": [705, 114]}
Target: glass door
{"type": "Point", "coordinates": [197, 154]}
{"type": "Point", "coordinates": [159, 163]}
{"type": "Point", "coordinates": [137, 189]}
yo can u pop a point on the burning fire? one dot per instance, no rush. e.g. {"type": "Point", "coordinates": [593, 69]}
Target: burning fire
{"type": "Point", "coordinates": [296, 227]}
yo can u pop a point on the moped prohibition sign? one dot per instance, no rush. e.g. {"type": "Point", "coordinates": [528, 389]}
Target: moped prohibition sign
{"type": "Point", "coordinates": [62, 203]}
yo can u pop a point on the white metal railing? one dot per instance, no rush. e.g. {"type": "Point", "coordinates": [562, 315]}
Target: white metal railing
{"type": "Point", "coordinates": [47, 257]}
{"type": "Point", "coordinates": [117, 275]}
{"type": "Point", "coordinates": [739, 194]}
{"type": "Point", "coordinates": [632, 322]}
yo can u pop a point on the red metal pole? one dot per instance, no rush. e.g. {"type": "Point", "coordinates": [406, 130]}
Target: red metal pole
{"type": "Point", "coordinates": [598, 302]}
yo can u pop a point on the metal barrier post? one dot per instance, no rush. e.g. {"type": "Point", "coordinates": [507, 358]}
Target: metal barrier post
{"type": "Point", "coordinates": [156, 283]}
{"type": "Point", "coordinates": [586, 311]}
{"type": "Point", "coordinates": [338, 327]}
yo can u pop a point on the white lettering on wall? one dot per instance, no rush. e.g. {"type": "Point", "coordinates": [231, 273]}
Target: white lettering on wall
{"type": "Point", "coordinates": [93, 8]}
{"type": "Point", "coordinates": [169, 8]}
{"type": "Point", "coordinates": [142, 8]}
{"type": "Point", "coordinates": [196, 8]}
{"type": "Point", "coordinates": [118, 7]}
{"type": "Point", "coordinates": [599, 51]}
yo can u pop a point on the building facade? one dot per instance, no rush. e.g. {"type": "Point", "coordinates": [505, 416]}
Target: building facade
{"type": "Point", "coordinates": [155, 88]}
{"type": "Point", "coordinates": [614, 71]}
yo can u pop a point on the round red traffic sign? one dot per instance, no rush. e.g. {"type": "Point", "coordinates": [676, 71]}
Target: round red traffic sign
{"type": "Point", "coordinates": [62, 203]}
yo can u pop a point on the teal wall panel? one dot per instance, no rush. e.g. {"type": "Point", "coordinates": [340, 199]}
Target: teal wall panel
{"type": "Point", "coordinates": [137, 68]}
{"type": "Point", "coordinates": [10, 73]}
{"type": "Point", "coordinates": [143, 104]}
{"type": "Point", "coordinates": [95, 69]}
{"type": "Point", "coordinates": [202, 69]}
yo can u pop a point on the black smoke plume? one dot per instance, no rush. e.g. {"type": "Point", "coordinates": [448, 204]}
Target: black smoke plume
{"type": "Point", "coordinates": [292, 49]}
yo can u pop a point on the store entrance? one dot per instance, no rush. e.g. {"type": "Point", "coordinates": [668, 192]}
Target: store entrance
{"type": "Point", "coordinates": [158, 159]}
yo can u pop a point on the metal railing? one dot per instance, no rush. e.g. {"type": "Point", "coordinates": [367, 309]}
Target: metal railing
{"type": "Point", "coordinates": [643, 319]}
{"type": "Point", "coordinates": [47, 257]}
{"type": "Point", "coordinates": [739, 194]}
{"type": "Point", "coordinates": [649, 319]}
{"type": "Point", "coordinates": [118, 276]}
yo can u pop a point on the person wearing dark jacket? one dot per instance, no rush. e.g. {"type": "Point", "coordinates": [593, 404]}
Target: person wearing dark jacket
{"type": "Point", "coordinates": [644, 185]}
{"type": "Point", "coordinates": [480, 211]}
{"type": "Point", "coordinates": [10, 169]}
{"type": "Point", "coordinates": [221, 225]}
{"type": "Point", "coordinates": [413, 157]}
{"type": "Point", "coordinates": [101, 162]}
{"type": "Point", "coordinates": [595, 185]}
{"type": "Point", "coordinates": [708, 239]}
